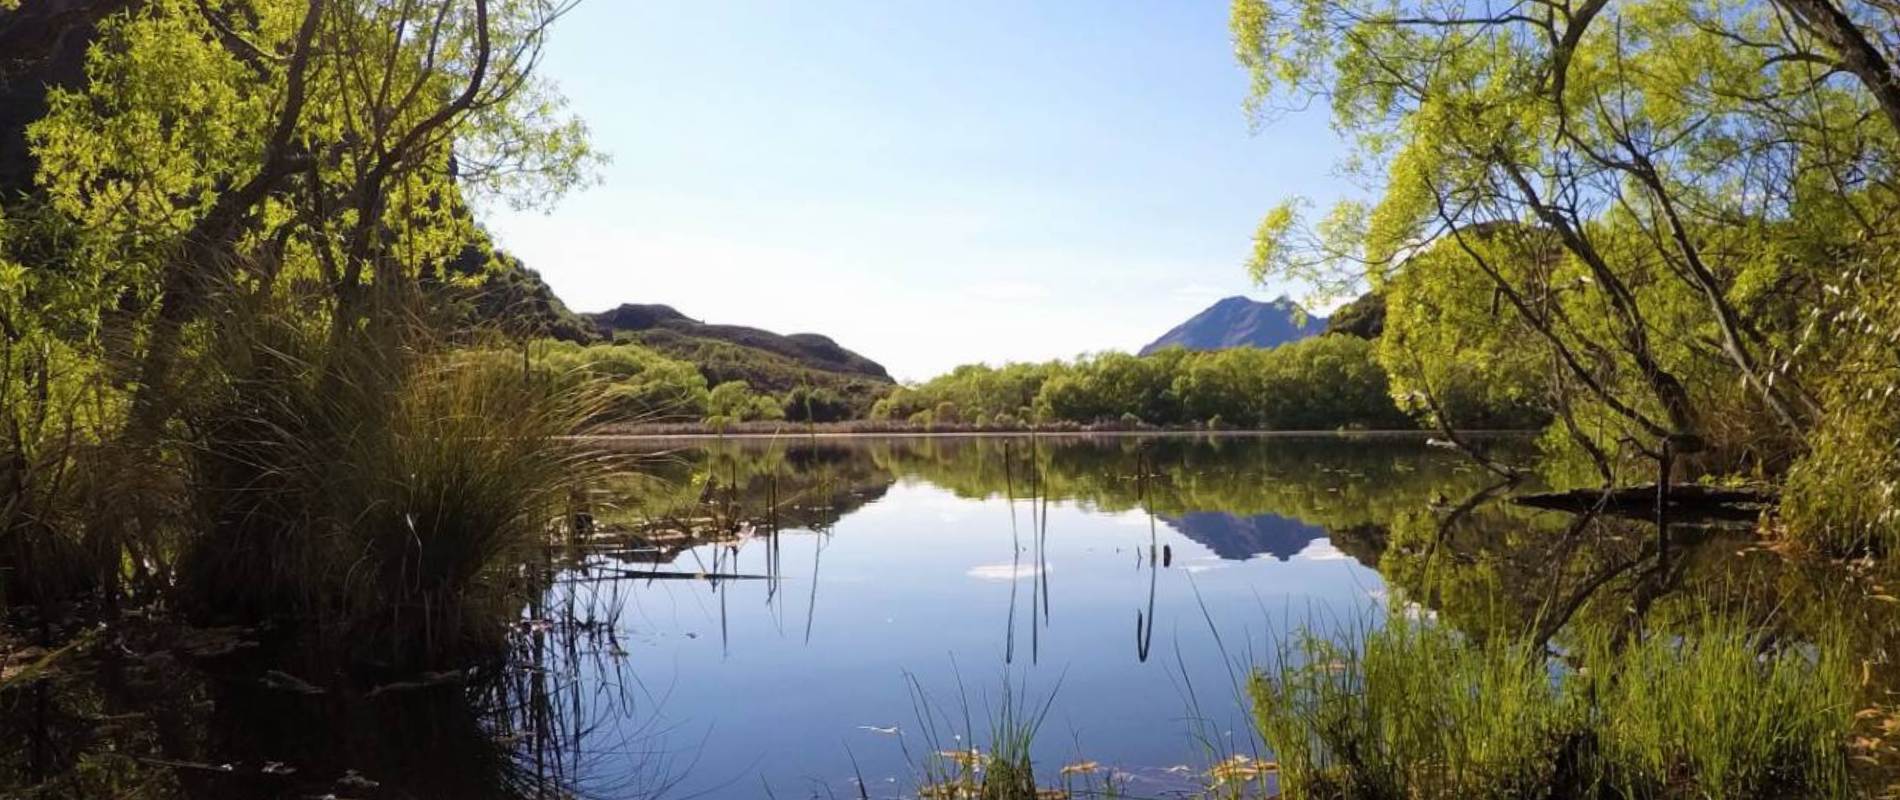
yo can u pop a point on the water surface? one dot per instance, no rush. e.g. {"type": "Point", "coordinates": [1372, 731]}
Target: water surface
{"type": "Point", "coordinates": [1126, 583]}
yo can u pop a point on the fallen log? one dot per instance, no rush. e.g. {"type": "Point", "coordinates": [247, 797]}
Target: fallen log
{"type": "Point", "coordinates": [1687, 502]}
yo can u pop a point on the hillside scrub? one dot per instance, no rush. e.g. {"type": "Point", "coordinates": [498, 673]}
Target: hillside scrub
{"type": "Point", "coordinates": [764, 370]}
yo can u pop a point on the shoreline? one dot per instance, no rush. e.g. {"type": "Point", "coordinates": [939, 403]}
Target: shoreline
{"type": "Point", "coordinates": [822, 433]}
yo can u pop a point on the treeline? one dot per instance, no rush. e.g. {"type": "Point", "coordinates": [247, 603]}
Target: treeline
{"type": "Point", "coordinates": [1322, 383]}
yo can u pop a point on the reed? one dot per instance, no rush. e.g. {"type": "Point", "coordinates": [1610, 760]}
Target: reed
{"type": "Point", "coordinates": [1724, 712]}
{"type": "Point", "coordinates": [993, 764]}
{"type": "Point", "coordinates": [1413, 710]}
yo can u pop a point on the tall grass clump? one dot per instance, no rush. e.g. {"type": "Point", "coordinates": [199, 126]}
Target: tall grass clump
{"type": "Point", "coordinates": [55, 541]}
{"type": "Point", "coordinates": [1414, 710]}
{"type": "Point", "coordinates": [1843, 497]}
{"type": "Point", "coordinates": [964, 765]}
{"type": "Point", "coordinates": [1723, 712]}
{"type": "Point", "coordinates": [1411, 710]}
{"type": "Point", "coordinates": [393, 502]}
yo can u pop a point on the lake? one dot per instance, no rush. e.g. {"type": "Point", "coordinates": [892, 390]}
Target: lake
{"type": "Point", "coordinates": [1120, 586]}
{"type": "Point", "coordinates": [787, 617]}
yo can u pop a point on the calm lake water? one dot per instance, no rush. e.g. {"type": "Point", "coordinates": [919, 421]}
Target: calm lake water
{"type": "Point", "coordinates": [1124, 584]}
{"type": "Point", "coordinates": [782, 618]}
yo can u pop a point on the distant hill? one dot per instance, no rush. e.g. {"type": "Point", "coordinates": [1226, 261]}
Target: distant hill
{"type": "Point", "coordinates": [1240, 322]}
{"type": "Point", "coordinates": [766, 360]}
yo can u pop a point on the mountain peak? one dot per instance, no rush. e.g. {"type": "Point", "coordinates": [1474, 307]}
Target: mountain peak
{"type": "Point", "coordinates": [1239, 321]}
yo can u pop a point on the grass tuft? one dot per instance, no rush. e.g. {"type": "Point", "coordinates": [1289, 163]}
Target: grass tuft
{"type": "Point", "coordinates": [391, 501]}
{"type": "Point", "coordinates": [1413, 710]}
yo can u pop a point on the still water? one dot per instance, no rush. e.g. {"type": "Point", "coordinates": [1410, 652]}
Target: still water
{"type": "Point", "coordinates": [1124, 585]}
{"type": "Point", "coordinates": [800, 617]}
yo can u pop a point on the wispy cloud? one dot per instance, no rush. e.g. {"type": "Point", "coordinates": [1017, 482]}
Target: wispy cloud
{"type": "Point", "coordinates": [1005, 572]}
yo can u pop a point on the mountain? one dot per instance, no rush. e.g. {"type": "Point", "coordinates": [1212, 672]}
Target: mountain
{"type": "Point", "coordinates": [1240, 322]}
{"type": "Point", "coordinates": [767, 361]}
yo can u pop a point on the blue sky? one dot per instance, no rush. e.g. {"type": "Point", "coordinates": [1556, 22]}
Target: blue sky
{"type": "Point", "coordinates": [928, 183]}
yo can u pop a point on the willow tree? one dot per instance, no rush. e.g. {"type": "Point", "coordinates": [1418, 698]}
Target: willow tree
{"type": "Point", "coordinates": [225, 152]}
{"type": "Point", "coordinates": [232, 167]}
{"type": "Point", "coordinates": [1664, 196]}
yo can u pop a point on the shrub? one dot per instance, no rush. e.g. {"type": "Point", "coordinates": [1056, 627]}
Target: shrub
{"type": "Point", "coordinates": [639, 384]}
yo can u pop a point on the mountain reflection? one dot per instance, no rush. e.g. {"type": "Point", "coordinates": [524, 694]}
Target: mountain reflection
{"type": "Point", "coordinates": [1238, 498]}
{"type": "Point", "coordinates": [1236, 538]}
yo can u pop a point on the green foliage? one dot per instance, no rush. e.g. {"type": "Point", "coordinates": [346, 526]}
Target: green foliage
{"type": "Point", "coordinates": [763, 370]}
{"type": "Point", "coordinates": [640, 384]}
{"type": "Point", "coordinates": [1411, 710]}
{"type": "Point", "coordinates": [1414, 709]}
{"type": "Point", "coordinates": [220, 375]}
{"type": "Point", "coordinates": [990, 765]}
{"type": "Point", "coordinates": [1643, 222]}
{"type": "Point", "coordinates": [1453, 353]}
{"type": "Point", "coordinates": [1726, 706]}
{"type": "Point", "coordinates": [1315, 384]}
{"type": "Point", "coordinates": [484, 289]}
{"type": "Point", "coordinates": [1364, 317]}
{"type": "Point", "coordinates": [735, 401]}
{"type": "Point", "coordinates": [1844, 495]}
{"type": "Point", "coordinates": [57, 406]}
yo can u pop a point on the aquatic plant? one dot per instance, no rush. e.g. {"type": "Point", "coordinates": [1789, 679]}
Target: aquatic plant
{"type": "Point", "coordinates": [997, 766]}
{"type": "Point", "coordinates": [1415, 710]}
